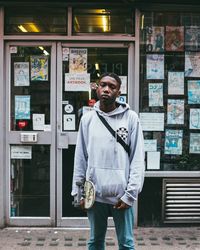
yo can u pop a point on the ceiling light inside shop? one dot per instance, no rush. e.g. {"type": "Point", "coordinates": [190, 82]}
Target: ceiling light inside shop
{"type": "Point", "coordinates": [21, 27]}
{"type": "Point", "coordinates": [43, 50]}
{"type": "Point", "coordinates": [96, 66]}
{"type": "Point", "coordinates": [105, 22]}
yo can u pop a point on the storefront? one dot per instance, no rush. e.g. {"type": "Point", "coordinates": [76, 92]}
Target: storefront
{"type": "Point", "coordinates": [51, 57]}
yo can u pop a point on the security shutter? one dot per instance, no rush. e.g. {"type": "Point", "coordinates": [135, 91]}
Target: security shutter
{"type": "Point", "coordinates": [181, 201]}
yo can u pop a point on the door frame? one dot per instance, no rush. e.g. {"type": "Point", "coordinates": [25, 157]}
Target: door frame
{"type": "Point", "coordinates": [82, 222]}
{"type": "Point", "coordinates": [45, 138]}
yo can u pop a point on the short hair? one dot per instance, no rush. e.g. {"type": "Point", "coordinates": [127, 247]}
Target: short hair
{"type": "Point", "coordinates": [113, 75]}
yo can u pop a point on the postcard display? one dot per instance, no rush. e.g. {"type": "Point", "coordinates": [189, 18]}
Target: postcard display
{"type": "Point", "coordinates": [170, 97]}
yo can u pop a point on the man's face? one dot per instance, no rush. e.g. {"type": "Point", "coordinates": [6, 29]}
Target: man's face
{"type": "Point", "coordinates": [108, 90]}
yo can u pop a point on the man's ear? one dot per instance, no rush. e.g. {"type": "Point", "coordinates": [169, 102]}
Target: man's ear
{"type": "Point", "coordinates": [119, 92]}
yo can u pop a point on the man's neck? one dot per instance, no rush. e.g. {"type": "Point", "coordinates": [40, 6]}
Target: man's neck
{"type": "Point", "coordinates": [107, 108]}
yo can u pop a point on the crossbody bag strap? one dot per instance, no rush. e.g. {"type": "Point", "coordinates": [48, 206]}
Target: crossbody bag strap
{"type": "Point", "coordinates": [114, 134]}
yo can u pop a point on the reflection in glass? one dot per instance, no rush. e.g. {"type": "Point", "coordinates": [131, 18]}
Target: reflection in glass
{"type": "Point", "coordinates": [30, 180]}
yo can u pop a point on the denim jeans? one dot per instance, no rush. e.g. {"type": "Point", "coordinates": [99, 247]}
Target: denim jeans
{"type": "Point", "coordinates": [123, 219]}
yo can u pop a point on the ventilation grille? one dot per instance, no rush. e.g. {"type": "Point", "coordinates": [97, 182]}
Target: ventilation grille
{"type": "Point", "coordinates": [181, 200]}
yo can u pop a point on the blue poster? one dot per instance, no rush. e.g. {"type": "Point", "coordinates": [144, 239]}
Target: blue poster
{"type": "Point", "coordinates": [22, 107]}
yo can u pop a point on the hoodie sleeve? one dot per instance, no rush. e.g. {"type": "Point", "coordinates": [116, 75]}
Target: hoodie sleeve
{"type": "Point", "coordinates": [80, 160]}
{"type": "Point", "coordinates": [137, 165]}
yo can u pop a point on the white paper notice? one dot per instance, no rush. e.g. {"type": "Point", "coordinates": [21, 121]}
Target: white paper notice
{"type": "Point", "coordinates": [153, 160]}
{"type": "Point", "coordinates": [21, 152]}
{"type": "Point", "coordinates": [150, 145]}
{"type": "Point", "coordinates": [69, 122]}
{"type": "Point", "coordinates": [38, 121]}
{"type": "Point", "coordinates": [77, 82]}
{"type": "Point", "coordinates": [123, 87]}
{"type": "Point", "coordinates": [152, 121]}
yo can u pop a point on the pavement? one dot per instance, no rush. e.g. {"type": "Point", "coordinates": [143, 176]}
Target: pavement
{"type": "Point", "coordinates": [146, 238]}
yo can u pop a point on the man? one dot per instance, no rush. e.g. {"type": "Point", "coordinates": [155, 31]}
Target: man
{"type": "Point", "coordinates": [117, 174]}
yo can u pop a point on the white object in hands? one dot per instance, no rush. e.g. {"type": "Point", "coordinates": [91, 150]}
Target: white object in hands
{"type": "Point", "coordinates": [89, 190]}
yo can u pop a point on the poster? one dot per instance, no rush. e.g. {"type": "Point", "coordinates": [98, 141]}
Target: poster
{"type": "Point", "coordinates": [194, 118]}
{"type": "Point", "coordinates": [77, 60]}
{"type": "Point", "coordinates": [194, 92]}
{"type": "Point", "coordinates": [39, 68]}
{"type": "Point", "coordinates": [69, 121]}
{"type": "Point", "coordinates": [150, 145]}
{"type": "Point", "coordinates": [155, 39]}
{"type": "Point", "coordinates": [194, 143]}
{"type": "Point", "coordinates": [175, 83]}
{"type": "Point", "coordinates": [38, 121]}
{"type": "Point", "coordinates": [192, 64]}
{"type": "Point", "coordinates": [153, 160]}
{"type": "Point", "coordinates": [22, 107]}
{"type": "Point", "coordinates": [155, 66]}
{"type": "Point", "coordinates": [152, 121]}
{"type": "Point", "coordinates": [173, 142]}
{"type": "Point", "coordinates": [175, 111]}
{"type": "Point", "coordinates": [174, 38]}
{"type": "Point", "coordinates": [123, 87]}
{"type": "Point", "coordinates": [21, 152]}
{"type": "Point", "coordinates": [192, 38]}
{"type": "Point", "coordinates": [77, 82]}
{"type": "Point", "coordinates": [21, 74]}
{"type": "Point", "coordinates": [155, 94]}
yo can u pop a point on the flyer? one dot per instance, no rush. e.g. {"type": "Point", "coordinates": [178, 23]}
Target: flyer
{"type": "Point", "coordinates": [21, 152]}
{"type": "Point", "coordinates": [155, 66]}
{"type": "Point", "coordinates": [22, 107]}
{"type": "Point", "coordinates": [69, 122]}
{"type": "Point", "coordinates": [173, 142]}
{"type": "Point", "coordinates": [155, 94]}
{"type": "Point", "coordinates": [153, 160]}
{"type": "Point", "coordinates": [152, 121]}
{"type": "Point", "coordinates": [175, 83]}
{"type": "Point", "coordinates": [39, 68]}
{"type": "Point", "coordinates": [21, 74]}
{"type": "Point", "coordinates": [38, 121]}
{"type": "Point", "coordinates": [194, 92]}
{"type": "Point", "coordinates": [194, 118]}
{"type": "Point", "coordinates": [192, 38]}
{"type": "Point", "coordinates": [174, 38]}
{"type": "Point", "coordinates": [77, 60]}
{"type": "Point", "coordinates": [175, 111]}
{"type": "Point", "coordinates": [192, 62]}
{"type": "Point", "coordinates": [123, 87]}
{"type": "Point", "coordinates": [155, 39]}
{"type": "Point", "coordinates": [150, 145]}
{"type": "Point", "coordinates": [194, 143]}
{"type": "Point", "coordinates": [77, 82]}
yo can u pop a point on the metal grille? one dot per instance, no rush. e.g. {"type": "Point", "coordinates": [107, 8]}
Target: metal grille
{"type": "Point", "coordinates": [181, 201]}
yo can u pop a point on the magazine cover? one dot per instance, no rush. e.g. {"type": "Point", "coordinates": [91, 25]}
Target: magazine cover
{"type": "Point", "coordinates": [155, 94]}
{"type": "Point", "coordinates": [194, 143]}
{"type": "Point", "coordinates": [155, 66]}
{"type": "Point", "coordinates": [77, 60]}
{"type": "Point", "coordinates": [175, 83]}
{"type": "Point", "coordinates": [173, 142]}
{"type": "Point", "coordinates": [192, 62]}
{"type": "Point", "coordinates": [39, 68]}
{"type": "Point", "coordinates": [194, 118]}
{"type": "Point", "coordinates": [155, 39]}
{"type": "Point", "coordinates": [21, 74]}
{"type": "Point", "coordinates": [175, 111]}
{"type": "Point", "coordinates": [22, 107]}
{"type": "Point", "coordinates": [194, 92]}
{"type": "Point", "coordinates": [192, 38]}
{"type": "Point", "coordinates": [174, 38]}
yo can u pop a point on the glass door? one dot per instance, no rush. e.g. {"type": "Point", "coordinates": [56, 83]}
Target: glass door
{"type": "Point", "coordinates": [79, 67]}
{"type": "Point", "coordinates": [30, 109]}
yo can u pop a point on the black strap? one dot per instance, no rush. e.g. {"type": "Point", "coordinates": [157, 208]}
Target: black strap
{"type": "Point", "coordinates": [119, 139]}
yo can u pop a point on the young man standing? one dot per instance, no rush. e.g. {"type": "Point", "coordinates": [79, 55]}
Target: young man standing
{"type": "Point", "coordinates": [117, 173]}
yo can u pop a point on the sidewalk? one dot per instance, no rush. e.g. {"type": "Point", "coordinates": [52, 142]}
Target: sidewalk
{"type": "Point", "coordinates": [74, 239]}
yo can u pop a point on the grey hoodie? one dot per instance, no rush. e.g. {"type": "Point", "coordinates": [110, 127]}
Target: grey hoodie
{"type": "Point", "coordinates": [103, 160]}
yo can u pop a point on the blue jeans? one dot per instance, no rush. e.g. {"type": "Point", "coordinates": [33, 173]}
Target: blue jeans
{"type": "Point", "coordinates": [123, 219]}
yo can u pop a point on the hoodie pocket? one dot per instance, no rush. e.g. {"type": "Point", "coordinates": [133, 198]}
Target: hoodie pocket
{"type": "Point", "coordinates": [108, 182]}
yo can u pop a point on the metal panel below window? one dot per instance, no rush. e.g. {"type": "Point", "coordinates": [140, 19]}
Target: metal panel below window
{"type": "Point", "coordinates": [181, 201]}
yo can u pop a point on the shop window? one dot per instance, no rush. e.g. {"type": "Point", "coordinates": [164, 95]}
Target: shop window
{"type": "Point", "coordinates": [39, 20]}
{"type": "Point", "coordinates": [170, 90]}
{"type": "Point", "coordinates": [103, 21]}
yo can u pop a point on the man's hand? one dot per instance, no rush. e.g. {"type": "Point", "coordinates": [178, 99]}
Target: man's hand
{"type": "Point", "coordinates": [121, 205]}
{"type": "Point", "coordinates": [82, 204]}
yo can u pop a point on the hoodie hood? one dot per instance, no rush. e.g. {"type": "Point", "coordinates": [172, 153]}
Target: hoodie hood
{"type": "Point", "coordinates": [121, 108]}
